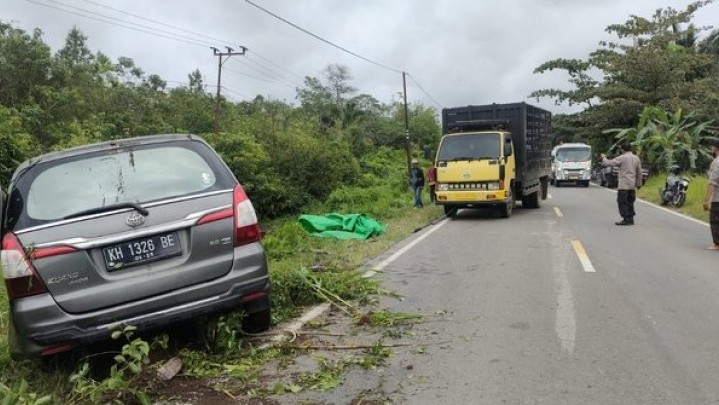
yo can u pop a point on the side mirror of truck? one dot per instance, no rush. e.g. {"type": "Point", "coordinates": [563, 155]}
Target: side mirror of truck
{"type": "Point", "coordinates": [507, 146]}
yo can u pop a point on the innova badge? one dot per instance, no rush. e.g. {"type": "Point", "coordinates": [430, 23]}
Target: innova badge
{"type": "Point", "coordinates": [134, 220]}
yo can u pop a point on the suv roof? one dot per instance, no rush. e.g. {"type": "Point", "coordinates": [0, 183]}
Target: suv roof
{"type": "Point", "coordinates": [81, 150]}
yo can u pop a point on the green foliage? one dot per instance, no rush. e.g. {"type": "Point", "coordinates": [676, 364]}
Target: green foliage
{"type": "Point", "coordinates": [15, 143]}
{"type": "Point", "coordinates": [121, 385]}
{"type": "Point", "coordinates": [665, 139]}
{"type": "Point", "coordinates": [21, 395]}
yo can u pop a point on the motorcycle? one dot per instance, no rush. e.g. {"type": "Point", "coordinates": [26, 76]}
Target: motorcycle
{"type": "Point", "coordinates": [675, 188]}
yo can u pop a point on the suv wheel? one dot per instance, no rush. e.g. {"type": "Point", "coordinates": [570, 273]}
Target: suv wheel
{"type": "Point", "coordinates": [257, 321]}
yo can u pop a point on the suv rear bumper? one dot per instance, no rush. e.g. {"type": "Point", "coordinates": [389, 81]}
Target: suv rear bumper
{"type": "Point", "coordinates": [46, 325]}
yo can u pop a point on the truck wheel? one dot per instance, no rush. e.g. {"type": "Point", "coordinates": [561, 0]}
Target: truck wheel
{"type": "Point", "coordinates": [585, 183]}
{"type": "Point", "coordinates": [505, 211]}
{"type": "Point", "coordinates": [531, 201]}
{"type": "Point", "coordinates": [450, 211]}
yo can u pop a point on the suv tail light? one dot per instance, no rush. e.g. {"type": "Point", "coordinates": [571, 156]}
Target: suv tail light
{"type": "Point", "coordinates": [247, 230]}
{"type": "Point", "coordinates": [20, 275]}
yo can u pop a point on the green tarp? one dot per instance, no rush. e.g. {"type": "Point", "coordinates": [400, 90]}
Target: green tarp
{"type": "Point", "coordinates": [347, 226]}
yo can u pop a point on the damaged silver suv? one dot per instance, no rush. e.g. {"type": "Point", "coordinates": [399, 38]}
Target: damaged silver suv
{"type": "Point", "coordinates": [146, 232]}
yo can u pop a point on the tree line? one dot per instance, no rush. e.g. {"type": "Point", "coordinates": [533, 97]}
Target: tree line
{"type": "Point", "coordinates": [286, 154]}
{"type": "Point", "coordinates": [654, 84]}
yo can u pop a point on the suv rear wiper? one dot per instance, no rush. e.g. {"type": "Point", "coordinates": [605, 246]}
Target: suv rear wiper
{"type": "Point", "coordinates": [139, 208]}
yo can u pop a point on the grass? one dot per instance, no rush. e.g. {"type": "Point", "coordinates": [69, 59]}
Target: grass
{"type": "Point", "coordinates": [695, 195]}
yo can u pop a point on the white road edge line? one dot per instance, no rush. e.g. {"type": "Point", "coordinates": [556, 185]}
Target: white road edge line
{"type": "Point", "coordinates": [583, 258]}
{"type": "Point", "coordinates": [295, 326]}
{"type": "Point", "coordinates": [558, 212]}
{"type": "Point", "coordinates": [665, 209]}
{"type": "Point", "coordinates": [409, 246]}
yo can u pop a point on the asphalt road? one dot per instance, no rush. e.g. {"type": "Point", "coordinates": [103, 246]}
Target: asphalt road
{"type": "Point", "coordinates": [515, 314]}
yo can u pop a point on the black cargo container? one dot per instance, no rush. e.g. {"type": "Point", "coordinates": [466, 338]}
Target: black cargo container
{"type": "Point", "coordinates": [530, 127]}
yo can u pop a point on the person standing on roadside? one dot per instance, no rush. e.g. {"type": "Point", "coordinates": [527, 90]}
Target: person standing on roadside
{"type": "Point", "coordinates": [416, 181]}
{"type": "Point", "coordinates": [432, 181]}
{"type": "Point", "coordinates": [711, 198]}
{"type": "Point", "coordinates": [629, 180]}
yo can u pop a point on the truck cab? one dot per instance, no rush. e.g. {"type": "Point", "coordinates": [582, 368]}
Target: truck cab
{"type": "Point", "coordinates": [571, 163]}
{"type": "Point", "coordinates": [476, 169]}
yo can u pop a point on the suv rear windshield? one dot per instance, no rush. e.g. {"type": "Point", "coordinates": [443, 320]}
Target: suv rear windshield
{"type": "Point", "coordinates": [138, 174]}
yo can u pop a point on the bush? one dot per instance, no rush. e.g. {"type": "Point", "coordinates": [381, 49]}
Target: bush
{"type": "Point", "coordinates": [255, 169]}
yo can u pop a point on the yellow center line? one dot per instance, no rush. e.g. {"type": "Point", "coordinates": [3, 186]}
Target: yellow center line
{"type": "Point", "coordinates": [558, 212]}
{"type": "Point", "coordinates": [582, 255]}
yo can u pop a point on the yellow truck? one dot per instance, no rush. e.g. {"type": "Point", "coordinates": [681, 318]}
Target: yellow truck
{"type": "Point", "coordinates": [492, 156]}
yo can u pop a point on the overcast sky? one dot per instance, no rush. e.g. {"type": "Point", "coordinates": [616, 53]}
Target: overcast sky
{"type": "Point", "coordinates": [459, 51]}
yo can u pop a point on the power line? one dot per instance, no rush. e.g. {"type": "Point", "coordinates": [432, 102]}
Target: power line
{"type": "Point", "coordinates": [280, 75]}
{"type": "Point", "coordinates": [425, 91]}
{"type": "Point", "coordinates": [147, 29]}
{"type": "Point", "coordinates": [113, 21]}
{"type": "Point", "coordinates": [344, 49]}
{"type": "Point", "coordinates": [236, 93]}
{"type": "Point", "coordinates": [276, 65]}
{"type": "Point", "coordinates": [242, 62]}
{"type": "Point", "coordinates": [224, 42]}
{"type": "Point", "coordinates": [324, 40]}
{"type": "Point", "coordinates": [271, 81]}
{"type": "Point", "coordinates": [159, 22]}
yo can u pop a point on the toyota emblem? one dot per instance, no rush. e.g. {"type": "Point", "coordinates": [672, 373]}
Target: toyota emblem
{"type": "Point", "coordinates": [466, 175]}
{"type": "Point", "coordinates": [134, 220]}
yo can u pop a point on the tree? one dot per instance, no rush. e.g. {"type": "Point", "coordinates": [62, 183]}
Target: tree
{"type": "Point", "coordinates": [24, 65]}
{"type": "Point", "coordinates": [327, 99]}
{"type": "Point", "coordinates": [652, 61]}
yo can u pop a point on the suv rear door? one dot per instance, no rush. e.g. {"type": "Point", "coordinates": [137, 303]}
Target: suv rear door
{"type": "Point", "coordinates": [92, 256]}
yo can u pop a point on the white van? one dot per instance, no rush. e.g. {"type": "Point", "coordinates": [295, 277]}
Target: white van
{"type": "Point", "coordinates": [571, 162]}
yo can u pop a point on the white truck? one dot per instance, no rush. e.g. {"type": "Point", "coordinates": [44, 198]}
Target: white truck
{"type": "Point", "coordinates": [571, 162]}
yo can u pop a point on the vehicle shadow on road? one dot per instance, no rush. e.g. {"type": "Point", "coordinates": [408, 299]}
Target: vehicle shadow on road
{"type": "Point", "coordinates": [486, 214]}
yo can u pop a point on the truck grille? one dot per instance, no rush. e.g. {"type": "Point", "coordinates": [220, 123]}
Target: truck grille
{"type": "Point", "coordinates": [470, 186]}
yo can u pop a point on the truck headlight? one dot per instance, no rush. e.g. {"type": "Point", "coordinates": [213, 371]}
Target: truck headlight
{"type": "Point", "coordinates": [493, 186]}
{"type": "Point", "coordinates": [443, 187]}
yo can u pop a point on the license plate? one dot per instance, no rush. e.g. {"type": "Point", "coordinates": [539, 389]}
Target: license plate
{"type": "Point", "coordinates": [141, 250]}
{"type": "Point", "coordinates": [467, 197]}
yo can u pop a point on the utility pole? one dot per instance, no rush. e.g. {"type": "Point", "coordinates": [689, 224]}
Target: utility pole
{"type": "Point", "coordinates": [222, 58]}
{"type": "Point", "coordinates": [406, 125]}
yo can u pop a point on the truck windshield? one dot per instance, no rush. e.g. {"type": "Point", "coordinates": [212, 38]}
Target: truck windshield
{"type": "Point", "coordinates": [574, 154]}
{"type": "Point", "coordinates": [470, 147]}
